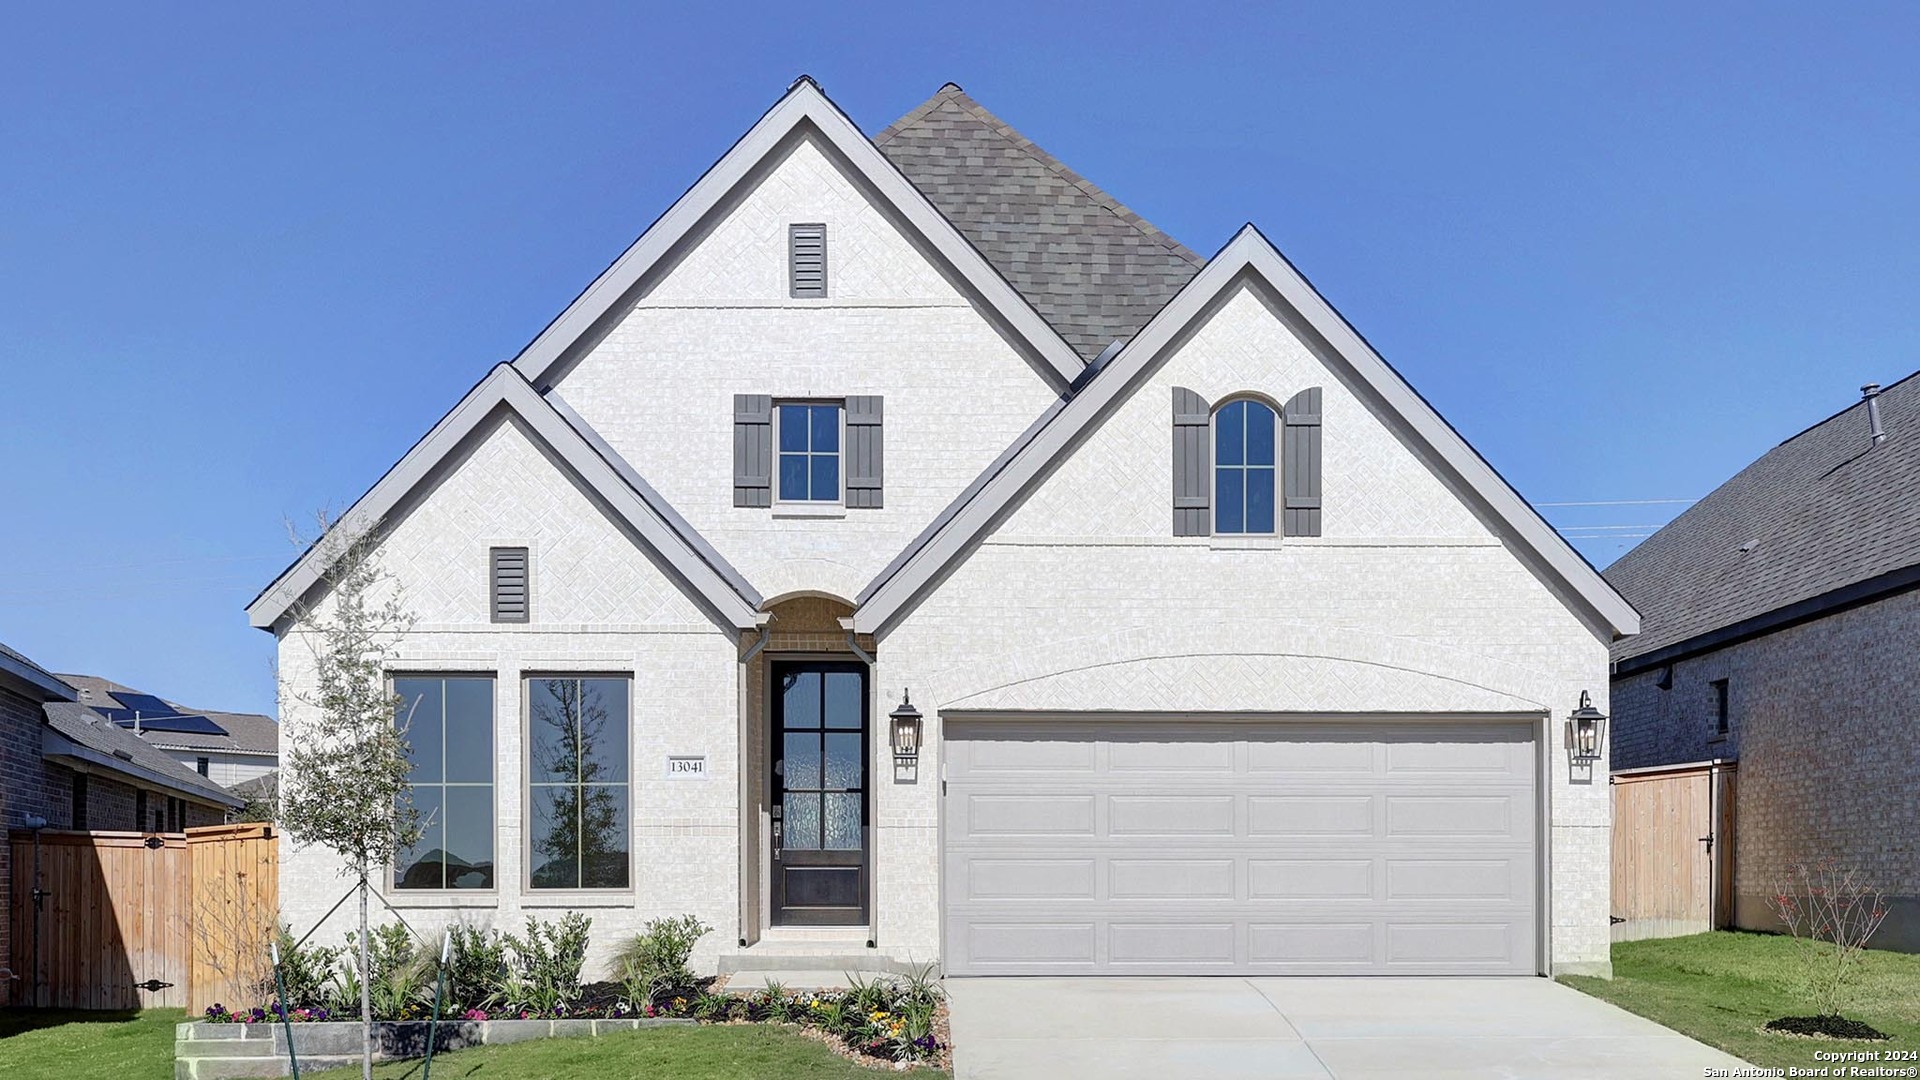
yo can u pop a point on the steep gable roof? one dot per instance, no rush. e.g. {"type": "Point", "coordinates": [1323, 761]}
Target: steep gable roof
{"type": "Point", "coordinates": [1820, 512]}
{"type": "Point", "coordinates": [717, 586]}
{"type": "Point", "coordinates": [1096, 270]}
{"type": "Point", "coordinates": [1248, 256]}
{"type": "Point", "coordinates": [805, 109]}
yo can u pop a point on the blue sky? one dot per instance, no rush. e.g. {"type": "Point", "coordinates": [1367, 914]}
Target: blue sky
{"type": "Point", "coordinates": [249, 253]}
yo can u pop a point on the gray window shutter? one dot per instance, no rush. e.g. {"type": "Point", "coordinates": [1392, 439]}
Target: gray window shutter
{"type": "Point", "coordinates": [752, 450]}
{"type": "Point", "coordinates": [864, 452]}
{"type": "Point", "coordinates": [1300, 464]}
{"type": "Point", "coordinates": [807, 260]}
{"type": "Point", "coordinates": [1192, 464]}
{"type": "Point", "coordinates": [509, 589]}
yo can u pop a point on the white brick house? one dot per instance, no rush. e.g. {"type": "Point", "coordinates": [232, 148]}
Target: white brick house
{"type": "Point", "coordinates": [1231, 655]}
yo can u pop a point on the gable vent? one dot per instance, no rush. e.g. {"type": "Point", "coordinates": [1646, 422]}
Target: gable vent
{"type": "Point", "coordinates": [509, 588]}
{"type": "Point", "coordinates": [807, 260]}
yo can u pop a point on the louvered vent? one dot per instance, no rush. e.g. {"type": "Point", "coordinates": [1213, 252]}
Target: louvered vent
{"type": "Point", "coordinates": [807, 260]}
{"type": "Point", "coordinates": [509, 584]}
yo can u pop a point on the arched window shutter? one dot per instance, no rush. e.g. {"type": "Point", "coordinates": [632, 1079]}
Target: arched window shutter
{"type": "Point", "coordinates": [752, 450]}
{"type": "Point", "coordinates": [1300, 463]}
{"type": "Point", "coordinates": [1192, 464]}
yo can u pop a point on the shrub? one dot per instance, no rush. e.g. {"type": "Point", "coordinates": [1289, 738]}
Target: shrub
{"type": "Point", "coordinates": [402, 975]}
{"type": "Point", "coordinates": [1832, 912]}
{"type": "Point", "coordinates": [476, 968]}
{"type": "Point", "coordinates": [652, 967]}
{"type": "Point", "coordinates": [544, 977]}
{"type": "Point", "coordinates": [305, 971]}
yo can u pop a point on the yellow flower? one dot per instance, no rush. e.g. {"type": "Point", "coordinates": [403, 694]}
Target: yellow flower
{"type": "Point", "coordinates": [877, 1017]}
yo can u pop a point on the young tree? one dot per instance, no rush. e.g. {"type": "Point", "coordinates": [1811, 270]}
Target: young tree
{"type": "Point", "coordinates": [345, 784]}
{"type": "Point", "coordinates": [1832, 912]}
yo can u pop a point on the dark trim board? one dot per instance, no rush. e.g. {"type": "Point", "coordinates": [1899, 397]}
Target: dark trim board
{"type": "Point", "coordinates": [1859, 594]}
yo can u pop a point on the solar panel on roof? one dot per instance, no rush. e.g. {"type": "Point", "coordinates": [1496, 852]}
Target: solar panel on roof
{"type": "Point", "coordinates": [191, 725]}
{"type": "Point", "coordinates": [146, 704]}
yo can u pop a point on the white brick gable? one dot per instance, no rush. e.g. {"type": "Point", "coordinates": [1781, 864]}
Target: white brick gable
{"type": "Point", "coordinates": [659, 388]}
{"type": "Point", "coordinates": [507, 493]}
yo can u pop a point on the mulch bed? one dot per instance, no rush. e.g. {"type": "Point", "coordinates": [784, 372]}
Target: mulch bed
{"type": "Point", "coordinates": [1824, 1027]}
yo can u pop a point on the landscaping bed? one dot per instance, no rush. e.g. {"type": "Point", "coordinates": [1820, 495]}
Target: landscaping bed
{"type": "Point", "coordinates": [1724, 988]}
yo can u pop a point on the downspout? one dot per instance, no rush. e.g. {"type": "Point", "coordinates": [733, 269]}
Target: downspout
{"type": "Point", "coordinates": [852, 645]}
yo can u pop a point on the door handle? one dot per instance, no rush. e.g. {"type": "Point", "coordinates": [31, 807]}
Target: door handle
{"type": "Point", "coordinates": [776, 839]}
{"type": "Point", "coordinates": [1708, 840]}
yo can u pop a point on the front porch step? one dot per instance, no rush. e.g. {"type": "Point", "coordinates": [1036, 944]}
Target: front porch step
{"type": "Point", "coordinates": [810, 957]}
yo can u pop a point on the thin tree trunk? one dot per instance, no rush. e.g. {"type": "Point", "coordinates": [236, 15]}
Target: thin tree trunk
{"type": "Point", "coordinates": [366, 977]}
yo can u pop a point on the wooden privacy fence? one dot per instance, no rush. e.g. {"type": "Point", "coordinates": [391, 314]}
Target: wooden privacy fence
{"type": "Point", "coordinates": [140, 920]}
{"type": "Point", "coordinates": [1672, 850]}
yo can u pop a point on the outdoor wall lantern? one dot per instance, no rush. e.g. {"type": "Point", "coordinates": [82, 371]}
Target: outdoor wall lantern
{"type": "Point", "coordinates": [1586, 730]}
{"type": "Point", "coordinates": [906, 732]}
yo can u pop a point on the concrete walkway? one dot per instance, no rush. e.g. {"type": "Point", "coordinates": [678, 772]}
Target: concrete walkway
{"type": "Point", "coordinates": [1230, 1028]}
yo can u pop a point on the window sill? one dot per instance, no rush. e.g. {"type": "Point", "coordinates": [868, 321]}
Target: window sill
{"type": "Point", "coordinates": [569, 898]}
{"type": "Point", "coordinates": [1255, 542]}
{"type": "Point", "coordinates": [1715, 739]}
{"type": "Point", "coordinates": [441, 898]}
{"type": "Point", "coordinates": [803, 510]}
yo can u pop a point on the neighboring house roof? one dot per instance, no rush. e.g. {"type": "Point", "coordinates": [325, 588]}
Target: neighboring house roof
{"type": "Point", "coordinates": [32, 677]}
{"type": "Point", "coordinates": [1093, 268]}
{"type": "Point", "coordinates": [1248, 256]}
{"type": "Point", "coordinates": [1825, 514]}
{"type": "Point", "coordinates": [246, 733]}
{"type": "Point", "coordinates": [641, 510]}
{"type": "Point", "coordinates": [74, 731]}
{"type": "Point", "coordinates": [264, 786]}
{"type": "Point", "coordinates": [803, 109]}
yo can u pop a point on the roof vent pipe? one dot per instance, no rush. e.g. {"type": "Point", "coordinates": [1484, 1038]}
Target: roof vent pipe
{"type": "Point", "coordinates": [1871, 392]}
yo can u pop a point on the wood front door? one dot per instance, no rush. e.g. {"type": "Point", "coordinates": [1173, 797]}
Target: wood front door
{"type": "Point", "coordinates": [819, 835]}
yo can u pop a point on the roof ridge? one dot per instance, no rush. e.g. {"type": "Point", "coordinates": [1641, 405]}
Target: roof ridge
{"type": "Point", "coordinates": [1842, 411]}
{"type": "Point", "coordinates": [951, 92]}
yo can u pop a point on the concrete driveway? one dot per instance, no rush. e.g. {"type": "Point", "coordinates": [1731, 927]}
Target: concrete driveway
{"type": "Point", "coordinates": [1228, 1028]}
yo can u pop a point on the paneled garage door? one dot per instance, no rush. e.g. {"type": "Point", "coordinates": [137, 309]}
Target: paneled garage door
{"type": "Point", "coordinates": [1171, 847]}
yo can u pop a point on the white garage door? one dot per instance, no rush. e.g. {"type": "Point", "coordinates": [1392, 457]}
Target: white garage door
{"type": "Point", "coordinates": [1171, 847]}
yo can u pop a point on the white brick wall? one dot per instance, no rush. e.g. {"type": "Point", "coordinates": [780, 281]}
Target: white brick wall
{"type": "Point", "coordinates": [598, 605]}
{"type": "Point", "coordinates": [1408, 604]}
{"type": "Point", "coordinates": [660, 387]}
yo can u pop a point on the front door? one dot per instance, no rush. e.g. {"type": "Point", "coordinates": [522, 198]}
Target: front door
{"type": "Point", "coordinates": [819, 813]}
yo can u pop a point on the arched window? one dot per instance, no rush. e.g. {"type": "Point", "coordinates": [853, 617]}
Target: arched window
{"type": "Point", "coordinates": [1243, 467]}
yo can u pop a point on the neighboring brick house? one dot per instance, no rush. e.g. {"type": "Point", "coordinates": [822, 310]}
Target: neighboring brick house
{"type": "Point", "coordinates": [228, 748]}
{"type": "Point", "coordinates": [68, 767]}
{"type": "Point", "coordinates": [1225, 652]}
{"type": "Point", "coordinates": [1780, 621]}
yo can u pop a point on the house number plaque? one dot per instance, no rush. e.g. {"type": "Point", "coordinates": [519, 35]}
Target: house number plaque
{"type": "Point", "coordinates": [686, 766]}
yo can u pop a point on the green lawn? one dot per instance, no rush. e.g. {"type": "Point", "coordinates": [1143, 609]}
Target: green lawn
{"type": "Point", "coordinates": [717, 1052]}
{"type": "Point", "coordinates": [38, 1044]}
{"type": "Point", "coordinates": [1721, 987]}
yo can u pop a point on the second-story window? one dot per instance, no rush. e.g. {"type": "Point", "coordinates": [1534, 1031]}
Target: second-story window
{"type": "Point", "coordinates": [1243, 470]}
{"type": "Point", "coordinates": [1721, 719]}
{"type": "Point", "coordinates": [808, 438]}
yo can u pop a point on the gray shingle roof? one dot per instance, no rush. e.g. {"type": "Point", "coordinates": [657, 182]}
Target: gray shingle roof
{"type": "Point", "coordinates": [1818, 512]}
{"type": "Point", "coordinates": [1091, 267]}
{"type": "Point", "coordinates": [42, 680]}
{"type": "Point", "coordinates": [81, 725]}
{"type": "Point", "coordinates": [247, 733]}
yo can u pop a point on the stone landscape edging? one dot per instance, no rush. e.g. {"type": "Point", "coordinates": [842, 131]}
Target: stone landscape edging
{"type": "Point", "coordinates": [203, 1051]}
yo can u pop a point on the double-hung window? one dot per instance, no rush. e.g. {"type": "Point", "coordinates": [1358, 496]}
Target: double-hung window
{"type": "Point", "coordinates": [447, 722]}
{"type": "Point", "coordinates": [808, 438]}
{"type": "Point", "coordinates": [579, 806]}
{"type": "Point", "coordinates": [1243, 470]}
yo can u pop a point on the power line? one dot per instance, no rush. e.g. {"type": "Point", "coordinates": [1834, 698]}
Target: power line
{"type": "Point", "coordinates": [1623, 502]}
